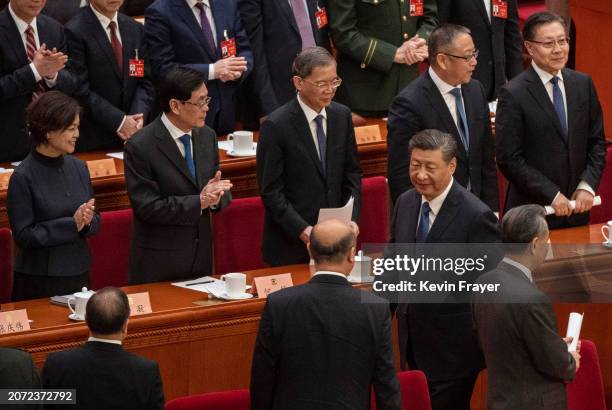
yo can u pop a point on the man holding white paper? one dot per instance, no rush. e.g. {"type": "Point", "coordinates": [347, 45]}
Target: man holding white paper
{"type": "Point", "coordinates": [306, 160]}
{"type": "Point", "coordinates": [528, 362]}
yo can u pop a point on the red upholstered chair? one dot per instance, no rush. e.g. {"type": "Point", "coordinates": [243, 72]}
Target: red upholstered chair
{"type": "Point", "coordinates": [6, 265]}
{"type": "Point", "coordinates": [603, 213]}
{"type": "Point", "coordinates": [238, 231]}
{"type": "Point", "coordinates": [374, 218]}
{"type": "Point", "coordinates": [110, 249]}
{"type": "Point", "coordinates": [586, 391]}
{"type": "Point", "coordinates": [226, 400]}
{"type": "Point", "coordinates": [414, 391]}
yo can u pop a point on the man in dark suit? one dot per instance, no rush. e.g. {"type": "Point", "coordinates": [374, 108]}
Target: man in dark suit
{"type": "Point", "coordinates": [63, 10]}
{"type": "Point", "coordinates": [278, 31]}
{"type": "Point", "coordinates": [105, 375]}
{"type": "Point", "coordinates": [446, 98]}
{"type": "Point", "coordinates": [324, 344]}
{"type": "Point", "coordinates": [207, 36]}
{"type": "Point", "coordinates": [32, 60]}
{"type": "Point", "coordinates": [173, 182]}
{"type": "Point", "coordinates": [117, 100]}
{"type": "Point", "coordinates": [438, 338]}
{"type": "Point", "coordinates": [550, 139]}
{"type": "Point", "coordinates": [18, 372]}
{"type": "Point", "coordinates": [527, 361]}
{"type": "Point", "coordinates": [496, 35]}
{"type": "Point", "coordinates": [306, 160]}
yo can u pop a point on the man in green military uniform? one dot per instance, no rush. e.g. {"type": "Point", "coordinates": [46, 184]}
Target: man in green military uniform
{"type": "Point", "coordinates": [379, 43]}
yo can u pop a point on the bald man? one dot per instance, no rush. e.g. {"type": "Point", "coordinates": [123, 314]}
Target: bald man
{"type": "Point", "coordinates": [343, 337]}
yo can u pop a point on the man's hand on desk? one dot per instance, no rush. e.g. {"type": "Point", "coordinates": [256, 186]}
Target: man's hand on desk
{"type": "Point", "coordinates": [213, 191]}
{"type": "Point", "coordinates": [131, 124]}
{"type": "Point", "coordinates": [584, 201]}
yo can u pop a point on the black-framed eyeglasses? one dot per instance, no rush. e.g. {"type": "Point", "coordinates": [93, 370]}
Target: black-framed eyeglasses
{"type": "Point", "coordinates": [562, 42]}
{"type": "Point", "coordinates": [335, 83]}
{"type": "Point", "coordinates": [201, 105]}
{"type": "Point", "coordinates": [467, 58]}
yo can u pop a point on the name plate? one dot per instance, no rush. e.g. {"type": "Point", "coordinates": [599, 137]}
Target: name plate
{"type": "Point", "coordinates": [270, 284]}
{"type": "Point", "coordinates": [140, 303]}
{"type": "Point", "coordinates": [367, 133]}
{"type": "Point", "coordinates": [102, 167]}
{"type": "Point", "coordinates": [14, 321]}
{"type": "Point", "coordinates": [5, 176]}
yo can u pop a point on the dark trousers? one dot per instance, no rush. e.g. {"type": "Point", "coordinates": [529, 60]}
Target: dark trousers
{"type": "Point", "coordinates": [451, 394]}
{"type": "Point", "coordinates": [26, 287]}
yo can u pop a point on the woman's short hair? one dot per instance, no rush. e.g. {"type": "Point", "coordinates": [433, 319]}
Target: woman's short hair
{"type": "Point", "coordinates": [53, 111]}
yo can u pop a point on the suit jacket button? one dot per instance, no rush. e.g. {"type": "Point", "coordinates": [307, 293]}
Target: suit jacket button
{"type": "Point", "coordinates": [490, 62]}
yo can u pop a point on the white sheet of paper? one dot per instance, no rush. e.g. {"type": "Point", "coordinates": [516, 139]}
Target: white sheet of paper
{"type": "Point", "coordinates": [550, 210]}
{"type": "Point", "coordinates": [343, 214]}
{"type": "Point", "coordinates": [216, 287]}
{"type": "Point", "coordinates": [118, 155]}
{"type": "Point", "coordinates": [574, 325]}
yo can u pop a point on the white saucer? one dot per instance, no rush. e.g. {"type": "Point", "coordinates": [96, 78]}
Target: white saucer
{"type": "Point", "coordinates": [607, 245]}
{"type": "Point", "coordinates": [245, 295]}
{"type": "Point", "coordinates": [73, 316]}
{"type": "Point", "coordinates": [351, 279]}
{"type": "Point", "coordinates": [251, 153]}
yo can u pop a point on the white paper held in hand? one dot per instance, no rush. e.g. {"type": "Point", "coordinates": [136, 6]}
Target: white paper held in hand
{"type": "Point", "coordinates": [343, 214]}
{"type": "Point", "coordinates": [551, 211]}
{"type": "Point", "coordinates": [574, 325]}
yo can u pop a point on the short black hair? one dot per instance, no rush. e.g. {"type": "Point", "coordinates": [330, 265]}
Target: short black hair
{"type": "Point", "coordinates": [537, 19]}
{"type": "Point", "coordinates": [432, 140]}
{"type": "Point", "coordinates": [520, 225]}
{"type": "Point", "coordinates": [52, 111]}
{"type": "Point", "coordinates": [107, 311]}
{"type": "Point", "coordinates": [178, 84]}
{"type": "Point", "coordinates": [441, 39]}
{"type": "Point", "coordinates": [331, 253]}
{"type": "Point", "coordinates": [309, 59]}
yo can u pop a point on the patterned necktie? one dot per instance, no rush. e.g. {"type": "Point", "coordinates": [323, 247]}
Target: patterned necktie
{"type": "Point", "coordinates": [462, 127]}
{"type": "Point", "coordinates": [30, 51]}
{"type": "Point", "coordinates": [423, 229]}
{"type": "Point", "coordinates": [303, 21]}
{"type": "Point", "coordinates": [116, 45]}
{"type": "Point", "coordinates": [321, 140]}
{"type": "Point", "coordinates": [206, 28]}
{"type": "Point", "coordinates": [559, 105]}
{"type": "Point", "coordinates": [186, 140]}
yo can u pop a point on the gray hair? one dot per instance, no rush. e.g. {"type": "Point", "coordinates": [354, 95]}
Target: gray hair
{"type": "Point", "coordinates": [333, 252]}
{"type": "Point", "coordinates": [310, 58]}
{"type": "Point", "coordinates": [433, 140]}
{"type": "Point", "coordinates": [441, 39]}
{"type": "Point", "coordinates": [522, 224]}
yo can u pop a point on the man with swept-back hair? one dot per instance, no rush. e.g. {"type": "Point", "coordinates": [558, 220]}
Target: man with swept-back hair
{"type": "Point", "coordinates": [104, 375]}
{"type": "Point", "coordinates": [306, 159]}
{"type": "Point", "coordinates": [446, 98]}
{"type": "Point", "coordinates": [527, 361]}
{"type": "Point", "coordinates": [324, 344]}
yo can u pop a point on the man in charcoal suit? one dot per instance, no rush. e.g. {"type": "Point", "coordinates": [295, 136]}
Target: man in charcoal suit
{"type": "Point", "coordinates": [63, 10]}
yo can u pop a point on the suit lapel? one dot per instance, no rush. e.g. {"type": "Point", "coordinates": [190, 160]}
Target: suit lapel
{"type": "Point", "coordinates": [99, 34]}
{"type": "Point", "coordinates": [184, 12]}
{"type": "Point", "coordinates": [128, 42]}
{"type": "Point", "coordinates": [218, 16]}
{"type": "Point", "coordinates": [413, 216]}
{"type": "Point", "coordinates": [446, 215]}
{"type": "Point", "coordinates": [572, 102]}
{"type": "Point", "coordinates": [300, 123]}
{"type": "Point", "coordinates": [538, 92]}
{"type": "Point", "coordinates": [333, 131]}
{"type": "Point", "coordinates": [483, 12]}
{"type": "Point", "coordinates": [286, 8]}
{"type": "Point", "coordinates": [168, 147]}
{"type": "Point", "coordinates": [12, 36]}
{"type": "Point", "coordinates": [199, 156]}
{"type": "Point", "coordinates": [470, 112]}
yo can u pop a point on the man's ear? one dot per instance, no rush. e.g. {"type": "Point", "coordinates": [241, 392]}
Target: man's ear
{"type": "Point", "coordinates": [297, 82]}
{"type": "Point", "coordinates": [351, 256]}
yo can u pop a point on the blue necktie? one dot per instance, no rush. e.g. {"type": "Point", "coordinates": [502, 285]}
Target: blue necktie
{"type": "Point", "coordinates": [558, 103]}
{"type": "Point", "coordinates": [186, 140]}
{"type": "Point", "coordinates": [423, 229]}
{"type": "Point", "coordinates": [462, 126]}
{"type": "Point", "coordinates": [321, 140]}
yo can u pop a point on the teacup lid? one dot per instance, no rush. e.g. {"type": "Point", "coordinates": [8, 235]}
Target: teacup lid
{"type": "Point", "coordinates": [360, 257]}
{"type": "Point", "coordinates": [84, 293]}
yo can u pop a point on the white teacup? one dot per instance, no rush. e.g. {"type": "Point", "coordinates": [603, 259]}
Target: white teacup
{"type": "Point", "coordinates": [242, 142]}
{"type": "Point", "coordinates": [607, 227]}
{"type": "Point", "coordinates": [80, 302]}
{"type": "Point", "coordinates": [362, 269]}
{"type": "Point", "coordinates": [235, 284]}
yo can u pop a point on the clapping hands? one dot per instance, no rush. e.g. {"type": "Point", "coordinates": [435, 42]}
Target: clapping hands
{"type": "Point", "coordinates": [214, 190]}
{"type": "Point", "coordinates": [84, 214]}
{"type": "Point", "coordinates": [412, 51]}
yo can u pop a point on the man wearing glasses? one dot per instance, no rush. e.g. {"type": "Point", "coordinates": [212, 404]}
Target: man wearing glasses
{"type": "Point", "coordinates": [446, 98]}
{"type": "Point", "coordinates": [174, 183]}
{"type": "Point", "coordinates": [306, 160]}
{"type": "Point", "coordinates": [550, 140]}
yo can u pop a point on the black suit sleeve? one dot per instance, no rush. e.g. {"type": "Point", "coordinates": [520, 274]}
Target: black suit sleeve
{"type": "Point", "coordinates": [156, 398]}
{"type": "Point", "coordinates": [403, 123]}
{"type": "Point", "coordinates": [385, 383]}
{"type": "Point", "coordinates": [484, 228]}
{"type": "Point", "coordinates": [596, 145]}
{"type": "Point", "coordinates": [444, 8]}
{"type": "Point", "coordinates": [271, 183]}
{"type": "Point", "coordinates": [265, 364]}
{"type": "Point", "coordinates": [19, 82]}
{"type": "Point", "coordinates": [488, 190]}
{"type": "Point", "coordinates": [513, 41]}
{"type": "Point", "coordinates": [351, 184]}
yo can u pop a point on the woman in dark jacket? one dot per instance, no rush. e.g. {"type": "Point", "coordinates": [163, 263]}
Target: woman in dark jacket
{"type": "Point", "coordinates": [50, 204]}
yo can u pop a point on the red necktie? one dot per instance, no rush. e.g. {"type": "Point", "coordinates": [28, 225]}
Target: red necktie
{"type": "Point", "coordinates": [116, 45]}
{"type": "Point", "coordinates": [30, 50]}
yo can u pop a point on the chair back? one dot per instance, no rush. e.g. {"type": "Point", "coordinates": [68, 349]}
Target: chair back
{"type": "Point", "coordinates": [586, 391]}
{"type": "Point", "coordinates": [225, 400]}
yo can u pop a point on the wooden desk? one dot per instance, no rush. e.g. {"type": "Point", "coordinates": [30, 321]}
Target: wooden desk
{"type": "Point", "coordinates": [111, 193]}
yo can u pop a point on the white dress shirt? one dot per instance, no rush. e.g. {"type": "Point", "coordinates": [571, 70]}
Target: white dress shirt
{"type": "Point", "coordinates": [435, 204]}
{"type": "Point", "coordinates": [22, 26]}
{"type": "Point", "coordinates": [176, 133]}
{"type": "Point", "coordinates": [449, 99]}
{"type": "Point", "coordinates": [519, 266]}
{"type": "Point", "coordinates": [111, 341]}
{"type": "Point", "coordinates": [310, 117]}
{"type": "Point", "coordinates": [487, 4]}
{"type": "Point", "coordinates": [545, 77]}
{"type": "Point", "coordinates": [213, 27]}
{"type": "Point", "coordinates": [105, 21]}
